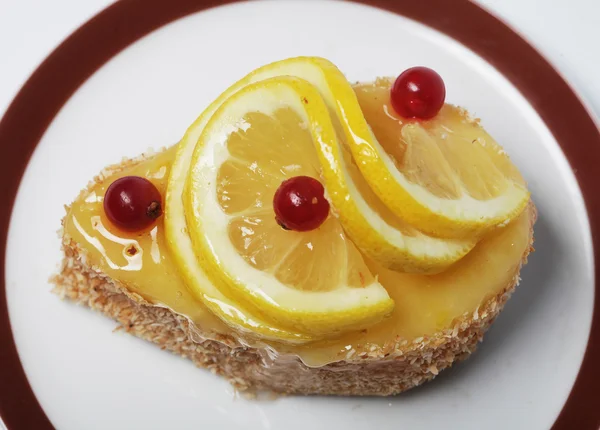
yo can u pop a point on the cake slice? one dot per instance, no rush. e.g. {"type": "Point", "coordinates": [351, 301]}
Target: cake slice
{"type": "Point", "coordinates": [361, 298]}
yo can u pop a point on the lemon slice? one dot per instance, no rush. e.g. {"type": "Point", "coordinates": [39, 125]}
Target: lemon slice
{"type": "Point", "coordinates": [397, 182]}
{"type": "Point", "coordinates": [315, 282]}
{"type": "Point", "coordinates": [376, 230]}
{"type": "Point", "coordinates": [372, 226]}
{"type": "Point", "coordinates": [445, 176]}
{"type": "Point", "coordinates": [231, 312]}
{"type": "Point", "coordinates": [180, 244]}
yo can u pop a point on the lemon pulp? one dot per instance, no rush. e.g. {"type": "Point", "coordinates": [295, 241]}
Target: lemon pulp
{"type": "Point", "coordinates": [259, 163]}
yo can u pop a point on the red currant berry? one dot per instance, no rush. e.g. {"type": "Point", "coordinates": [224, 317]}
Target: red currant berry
{"type": "Point", "coordinates": [132, 203]}
{"type": "Point", "coordinates": [418, 92]}
{"type": "Point", "coordinates": [300, 204]}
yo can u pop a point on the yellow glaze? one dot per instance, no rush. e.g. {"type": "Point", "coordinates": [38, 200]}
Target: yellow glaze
{"type": "Point", "coordinates": [424, 304]}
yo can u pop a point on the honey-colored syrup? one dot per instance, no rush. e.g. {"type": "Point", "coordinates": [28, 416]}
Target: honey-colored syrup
{"type": "Point", "coordinates": [141, 260]}
{"type": "Point", "coordinates": [424, 304]}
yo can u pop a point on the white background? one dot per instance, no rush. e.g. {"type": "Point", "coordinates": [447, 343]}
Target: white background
{"type": "Point", "coordinates": [566, 32]}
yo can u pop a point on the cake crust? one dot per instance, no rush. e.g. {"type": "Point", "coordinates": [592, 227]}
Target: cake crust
{"type": "Point", "coordinates": [392, 369]}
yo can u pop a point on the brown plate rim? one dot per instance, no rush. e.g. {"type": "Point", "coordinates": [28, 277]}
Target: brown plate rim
{"type": "Point", "coordinates": [126, 21]}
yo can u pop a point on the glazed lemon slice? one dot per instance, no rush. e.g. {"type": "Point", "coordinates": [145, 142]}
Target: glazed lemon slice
{"type": "Point", "coordinates": [316, 281]}
{"type": "Point", "coordinates": [446, 176]}
{"type": "Point", "coordinates": [399, 183]}
{"type": "Point", "coordinates": [379, 233]}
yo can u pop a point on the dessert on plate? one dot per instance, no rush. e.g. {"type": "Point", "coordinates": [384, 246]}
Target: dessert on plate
{"type": "Point", "coordinates": [308, 235]}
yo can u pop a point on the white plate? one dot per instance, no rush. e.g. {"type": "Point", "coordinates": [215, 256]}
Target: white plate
{"type": "Point", "coordinates": [86, 376]}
